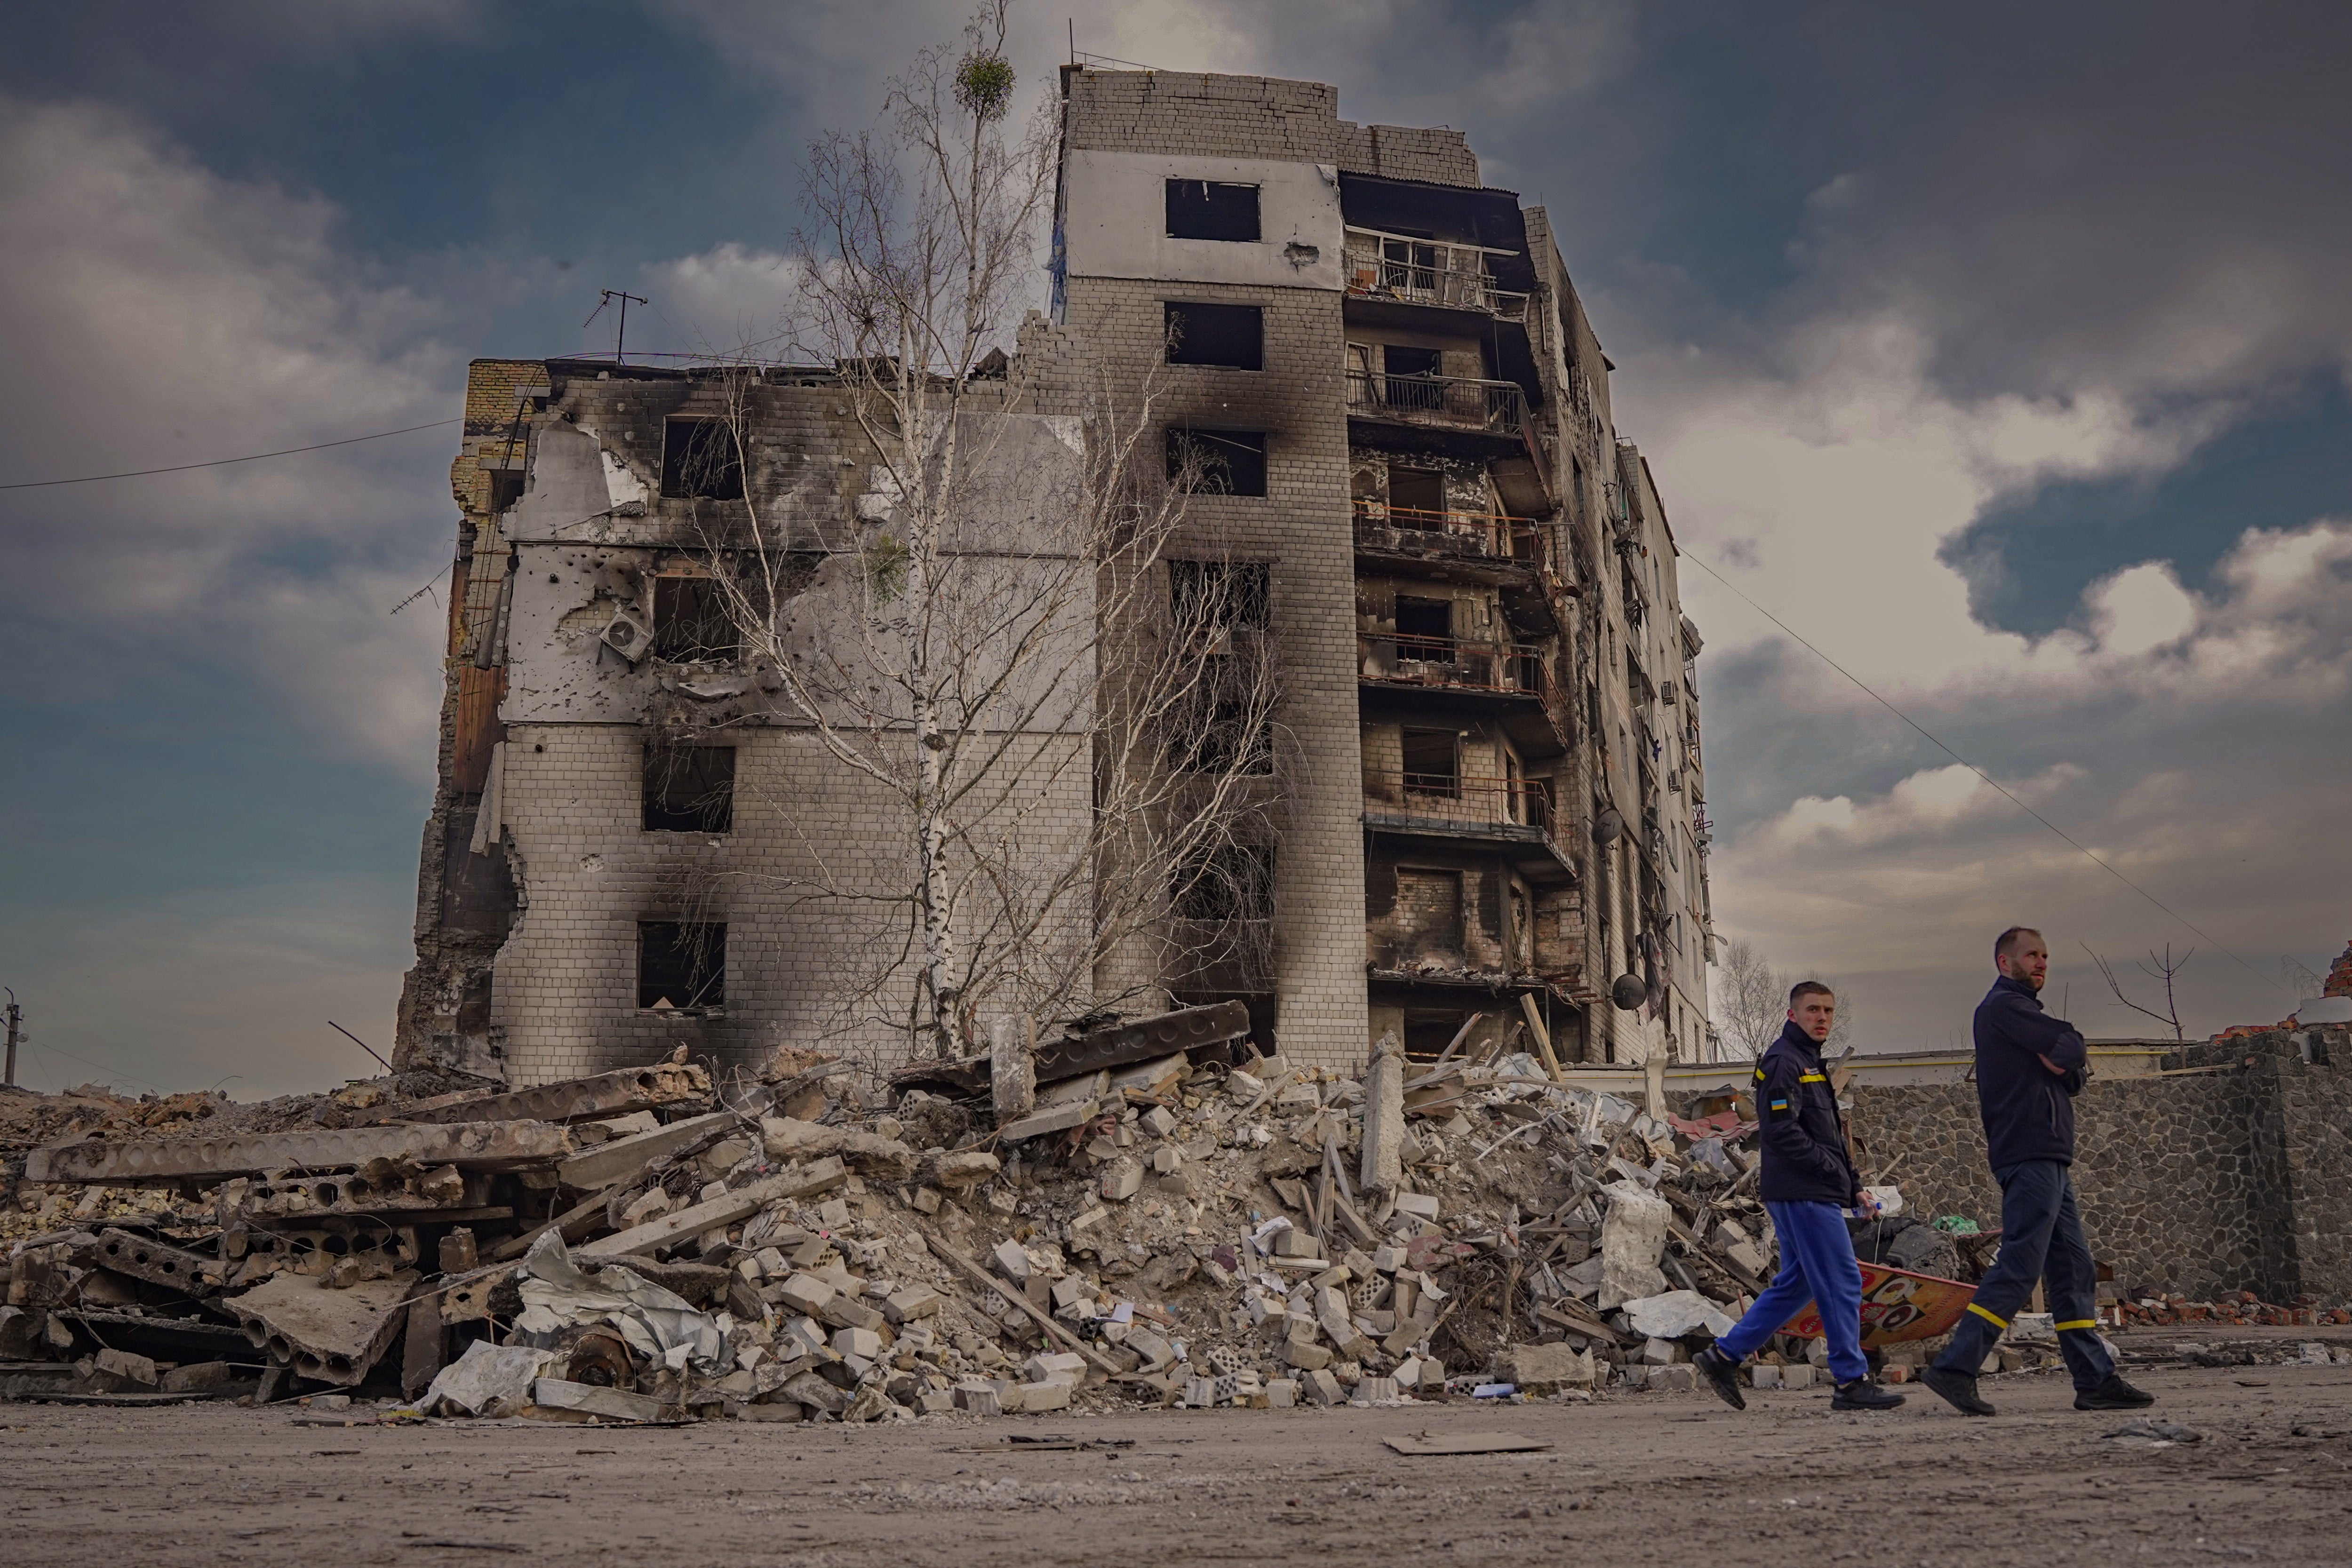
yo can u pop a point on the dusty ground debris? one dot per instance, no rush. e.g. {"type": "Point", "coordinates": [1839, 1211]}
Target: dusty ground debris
{"type": "Point", "coordinates": [1194, 1236]}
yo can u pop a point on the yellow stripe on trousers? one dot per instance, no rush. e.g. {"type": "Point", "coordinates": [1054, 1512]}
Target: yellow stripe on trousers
{"type": "Point", "coordinates": [2076, 1323]}
{"type": "Point", "coordinates": [1997, 1323]}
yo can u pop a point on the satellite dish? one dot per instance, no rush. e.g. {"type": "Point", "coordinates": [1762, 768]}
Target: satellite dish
{"type": "Point", "coordinates": [1608, 827]}
{"type": "Point", "coordinates": [1629, 992]}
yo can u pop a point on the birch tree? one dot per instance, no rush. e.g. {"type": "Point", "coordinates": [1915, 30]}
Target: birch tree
{"type": "Point", "coordinates": [989, 636]}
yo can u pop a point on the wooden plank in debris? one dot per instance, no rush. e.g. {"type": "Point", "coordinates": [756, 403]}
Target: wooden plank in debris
{"type": "Point", "coordinates": [1542, 1035]}
{"type": "Point", "coordinates": [1466, 1443]}
{"type": "Point", "coordinates": [817, 1177]}
{"type": "Point", "coordinates": [1054, 1331]}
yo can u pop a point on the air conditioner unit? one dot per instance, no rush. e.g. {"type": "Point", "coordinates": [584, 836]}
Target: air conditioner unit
{"type": "Point", "coordinates": [629, 634]}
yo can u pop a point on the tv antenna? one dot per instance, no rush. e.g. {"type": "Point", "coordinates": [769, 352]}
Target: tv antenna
{"type": "Point", "coordinates": [621, 333]}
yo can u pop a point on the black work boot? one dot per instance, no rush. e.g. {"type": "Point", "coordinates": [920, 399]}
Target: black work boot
{"type": "Point", "coordinates": [2115, 1394]}
{"type": "Point", "coordinates": [1958, 1390]}
{"type": "Point", "coordinates": [1722, 1374]}
{"type": "Point", "coordinates": [1865, 1393]}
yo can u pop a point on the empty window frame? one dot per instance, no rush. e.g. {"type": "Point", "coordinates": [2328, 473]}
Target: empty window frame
{"type": "Point", "coordinates": [1218, 461]}
{"type": "Point", "coordinates": [699, 458]}
{"type": "Point", "coordinates": [1232, 336]}
{"type": "Point", "coordinates": [1220, 595]}
{"type": "Point", "coordinates": [692, 622]}
{"type": "Point", "coordinates": [1212, 209]}
{"type": "Point", "coordinates": [1399, 360]}
{"type": "Point", "coordinates": [682, 964]}
{"type": "Point", "coordinates": [1417, 496]}
{"type": "Point", "coordinates": [1433, 763]}
{"type": "Point", "coordinates": [1425, 629]}
{"type": "Point", "coordinates": [690, 789]}
{"type": "Point", "coordinates": [1232, 882]}
{"type": "Point", "coordinates": [1217, 732]}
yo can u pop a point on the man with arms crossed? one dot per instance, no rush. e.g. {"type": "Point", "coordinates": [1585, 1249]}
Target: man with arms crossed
{"type": "Point", "coordinates": [1808, 1184]}
{"type": "Point", "coordinates": [2030, 1067]}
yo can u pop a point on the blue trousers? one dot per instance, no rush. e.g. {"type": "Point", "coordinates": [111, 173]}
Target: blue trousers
{"type": "Point", "coordinates": [1816, 1265]}
{"type": "Point", "coordinates": [2041, 1238]}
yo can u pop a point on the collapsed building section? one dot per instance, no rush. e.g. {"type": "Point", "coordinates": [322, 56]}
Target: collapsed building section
{"type": "Point", "coordinates": [1378, 381]}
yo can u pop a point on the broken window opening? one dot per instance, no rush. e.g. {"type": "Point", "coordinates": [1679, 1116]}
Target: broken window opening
{"type": "Point", "coordinates": [682, 965]}
{"type": "Point", "coordinates": [1222, 735]}
{"type": "Point", "coordinates": [1232, 336]}
{"type": "Point", "coordinates": [1212, 209]}
{"type": "Point", "coordinates": [1425, 630]}
{"type": "Point", "coordinates": [1211, 596]}
{"type": "Point", "coordinates": [1427, 1032]}
{"type": "Point", "coordinates": [700, 459]}
{"type": "Point", "coordinates": [691, 620]}
{"type": "Point", "coordinates": [1433, 763]}
{"type": "Point", "coordinates": [1229, 882]}
{"type": "Point", "coordinates": [1218, 461]}
{"type": "Point", "coordinates": [1416, 497]}
{"type": "Point", "coordinates": [690, 789]}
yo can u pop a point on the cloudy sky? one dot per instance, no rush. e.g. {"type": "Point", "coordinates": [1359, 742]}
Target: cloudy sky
{"type": "Point", "coordinates": [2002, 355]}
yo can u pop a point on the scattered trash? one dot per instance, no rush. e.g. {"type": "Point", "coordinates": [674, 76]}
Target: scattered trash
{"type": "Point", "coordinates": [2161, 1433]}
{"type": "Point", "coordinates": [1466, 1443]}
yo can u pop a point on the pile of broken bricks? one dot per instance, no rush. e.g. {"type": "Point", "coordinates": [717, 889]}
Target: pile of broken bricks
{"type": "Point", "coordinates": [1148, 1212]}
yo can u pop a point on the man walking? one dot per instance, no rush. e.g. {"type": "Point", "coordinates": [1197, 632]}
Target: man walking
{"type": "Point", "coordinates": [2030, 1067]}
{"type": "Point", "coordinates": [1807, 1184]}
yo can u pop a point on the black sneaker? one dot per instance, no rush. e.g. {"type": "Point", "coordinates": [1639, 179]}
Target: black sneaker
{"type": "Point", "coordinates": [1958, 1390]}
{"type": "Point", "coordinates": [1865, 1393]}
{"type": "Point", "coordinates": [1722, 1374]}
{"type": "Point", "coordinates": [2115, 1394]}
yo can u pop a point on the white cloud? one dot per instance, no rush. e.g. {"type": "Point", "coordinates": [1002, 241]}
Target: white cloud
{"type": "Point", "coordinates": [161, 313]}
{"type": "Point", "coordinates": [730, 298]}
{"type": "Point", "coordinates": [2139, 609]}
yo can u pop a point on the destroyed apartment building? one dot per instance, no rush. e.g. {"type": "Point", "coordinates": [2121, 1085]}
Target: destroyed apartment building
{"type": "Point", "coordinates": [1489, 724]}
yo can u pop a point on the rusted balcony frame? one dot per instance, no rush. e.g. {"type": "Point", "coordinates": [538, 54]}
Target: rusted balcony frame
{"type": "Point", "coordinates": [1459, 280]}
{"type": "Point", "coordinates": [1512, 667]}
{"type": "Point", "coordinates": [1498, 536]}
{"type": "Point", "coordinates": [1534, 792]}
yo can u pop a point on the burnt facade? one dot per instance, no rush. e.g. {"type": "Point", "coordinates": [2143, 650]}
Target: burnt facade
{"type": "Point", "coordinates": [1488, 727]}
{"type": "Point", "coordinates": [1473, 578]}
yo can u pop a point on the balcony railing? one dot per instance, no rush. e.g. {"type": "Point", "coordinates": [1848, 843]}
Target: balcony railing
{"type": "Point", "coordinates": [1476, 533]}
{"type": "Point", "coordinates": [1427, 272]}
{"type": "Point", "coordinates": [1464, 800]}
{"type": "Point", "coordinates": [1446, 402]}
{"type": "Point", "coordinates": [1461, 663]}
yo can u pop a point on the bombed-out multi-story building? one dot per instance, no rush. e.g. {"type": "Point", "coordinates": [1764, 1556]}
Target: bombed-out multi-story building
{"type": "Point", "coordinates": [1488, 716]}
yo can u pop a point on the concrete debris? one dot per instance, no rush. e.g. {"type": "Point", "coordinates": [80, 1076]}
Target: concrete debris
{"type": "Point", "coordinates": [1173, 1223]}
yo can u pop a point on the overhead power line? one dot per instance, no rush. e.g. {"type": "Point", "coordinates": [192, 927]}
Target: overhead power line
{"type": "Point", "coordinates": [224, 462]}
{"type": "Point", "coordinates": [1938, 743]}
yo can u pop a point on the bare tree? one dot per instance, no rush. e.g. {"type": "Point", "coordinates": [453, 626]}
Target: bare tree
{"type": "Point", "coordinates": [1751, 1002]}
{"type": "Point", "coordinates": [2163, 970]}
{"type": "Point", "coordinates": [1074, 726]}
{"type": "Point", "coordinates": [1750, 999]}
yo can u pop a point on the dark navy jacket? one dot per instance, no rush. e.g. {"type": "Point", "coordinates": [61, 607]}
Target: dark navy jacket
{"type": "Point", "coordinates": [2029, 1111]}
{"type": "Point", "coordinates": [1801, 1135]}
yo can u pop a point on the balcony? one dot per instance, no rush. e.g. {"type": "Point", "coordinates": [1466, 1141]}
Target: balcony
{"type": "Point", "coordinates": [1477, 536]}
{"type": "Point", "coordinates": [1513, 816]}
{"type": "Point", "coordinates": [1441, 402]}
{"type": "Point", "coordinates": [1427, 272]}
{"type": "Point", "coordinates": [1452, 663]}
{"type": "Point", "coordinates": [1487, 420]}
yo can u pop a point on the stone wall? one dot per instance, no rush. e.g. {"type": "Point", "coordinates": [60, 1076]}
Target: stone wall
{"type": "Point", "coordinates": [2237, 1176]}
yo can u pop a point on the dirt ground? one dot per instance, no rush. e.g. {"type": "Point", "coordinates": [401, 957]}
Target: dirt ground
{"type": "Point", "coordinates": [1637, 1478]}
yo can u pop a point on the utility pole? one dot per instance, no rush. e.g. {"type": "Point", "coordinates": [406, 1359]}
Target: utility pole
{"type": "Point", "coordinates": [16, 1018]}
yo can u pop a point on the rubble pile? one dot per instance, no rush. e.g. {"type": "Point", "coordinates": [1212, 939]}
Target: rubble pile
{"type": "Point", "coordinates": [1146, 1212]}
